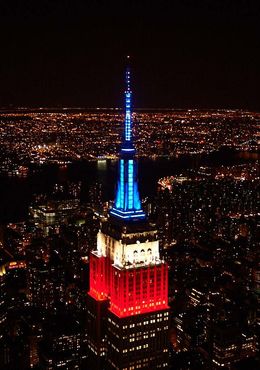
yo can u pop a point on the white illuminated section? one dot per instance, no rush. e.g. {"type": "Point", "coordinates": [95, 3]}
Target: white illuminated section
{"type": "Point", "coordinates": [101, 244]}
{"type": "Point", "coordinates": [125, 254]}
{"type": "Point", "coordinates": [147, 252]}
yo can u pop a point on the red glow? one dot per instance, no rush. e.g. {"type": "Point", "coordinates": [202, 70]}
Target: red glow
{"type": "Point", "coordinates": [98, 286]}
{"type": "Point", "coordinates": [131, 291]}
{"type": "Point", "coordinates": [139, 290]}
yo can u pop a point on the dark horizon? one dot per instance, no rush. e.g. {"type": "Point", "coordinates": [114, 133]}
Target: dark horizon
{"type": "Point", "coordinates": [184, 55]}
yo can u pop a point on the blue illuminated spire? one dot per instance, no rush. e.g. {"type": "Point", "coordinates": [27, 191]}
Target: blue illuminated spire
{"type": "Point", "coordinates": [127, 203]}
{"type": "Point", "coordinates": [128, 115]}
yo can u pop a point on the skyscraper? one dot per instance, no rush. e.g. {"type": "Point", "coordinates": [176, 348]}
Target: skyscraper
{"type": "Point", "coordinates": [128, 296]}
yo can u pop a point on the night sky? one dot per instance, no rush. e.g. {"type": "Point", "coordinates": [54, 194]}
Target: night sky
{"type": "Point", "coordinates": [186, 53]}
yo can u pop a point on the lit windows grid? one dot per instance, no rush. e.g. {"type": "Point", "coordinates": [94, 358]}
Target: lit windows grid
{"type": "Point", "coordinates": [138, 339]}
{"type": "Point", "coordinates": [98, 278]}
{"type": "Point", "coordinates": [131, 291]}
{"type": "Point", "coordinates": [138, 291]}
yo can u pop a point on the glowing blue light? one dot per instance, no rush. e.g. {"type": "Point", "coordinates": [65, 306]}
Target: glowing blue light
{"type": "Point", "coordinates": [132, 215]}
{"type": "Point", "coordinates": [122, 183]}
{"type": "Point", "coordinates": [130, 184]}
{"type": "Point", "coordinates": [127, 203]}
{"type": "Point", "coordinates": [127, 149]}
{"type": "Point", "coordinates": [137, 201]}
{"type": "Point", "coordinates": [128, 217]}
{"type": "Point", "coordinates": [128, 118]}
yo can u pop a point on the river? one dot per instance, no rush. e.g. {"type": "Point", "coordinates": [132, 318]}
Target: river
{"type": "Point", "coordinates": [16, 194]}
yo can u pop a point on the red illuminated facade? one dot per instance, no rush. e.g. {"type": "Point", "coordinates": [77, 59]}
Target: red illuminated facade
{"type": "Point", "coordinates": [127, 270]}
{"type": "Point", "coordinates": [129, 278]}
{"type": "Point", "coordinates": [130, 290]}
{"type": "Point", "coordinates": [98, 284]}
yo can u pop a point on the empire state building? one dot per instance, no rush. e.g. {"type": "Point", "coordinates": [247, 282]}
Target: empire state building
{"type": "Point", "coordinates": [128, 295]}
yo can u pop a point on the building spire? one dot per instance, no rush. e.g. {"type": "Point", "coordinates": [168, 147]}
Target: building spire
{"type": "Point", "coordinates": [128, 109]}
{"type": "Point", "coordinates": [127, 204]}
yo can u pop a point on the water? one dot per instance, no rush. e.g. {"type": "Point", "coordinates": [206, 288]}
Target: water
{"type": "Point", "coordinates": [16, 194]}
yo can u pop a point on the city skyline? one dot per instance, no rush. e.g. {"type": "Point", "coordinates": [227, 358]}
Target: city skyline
{"type": "Point", "coordinates": [129, 237]}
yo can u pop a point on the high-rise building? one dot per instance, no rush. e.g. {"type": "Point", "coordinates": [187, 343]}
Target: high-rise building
{"type": "Point", "coordinates": [63, 345]}
{"type": "Point", "coordinates": [231, 344]}
{"type": "Point", "coordinates": [46, 283]}
{"type": "Point", "coordinates": [128, 296]}
{"type": "Point", "coordinates": [52, 214]}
